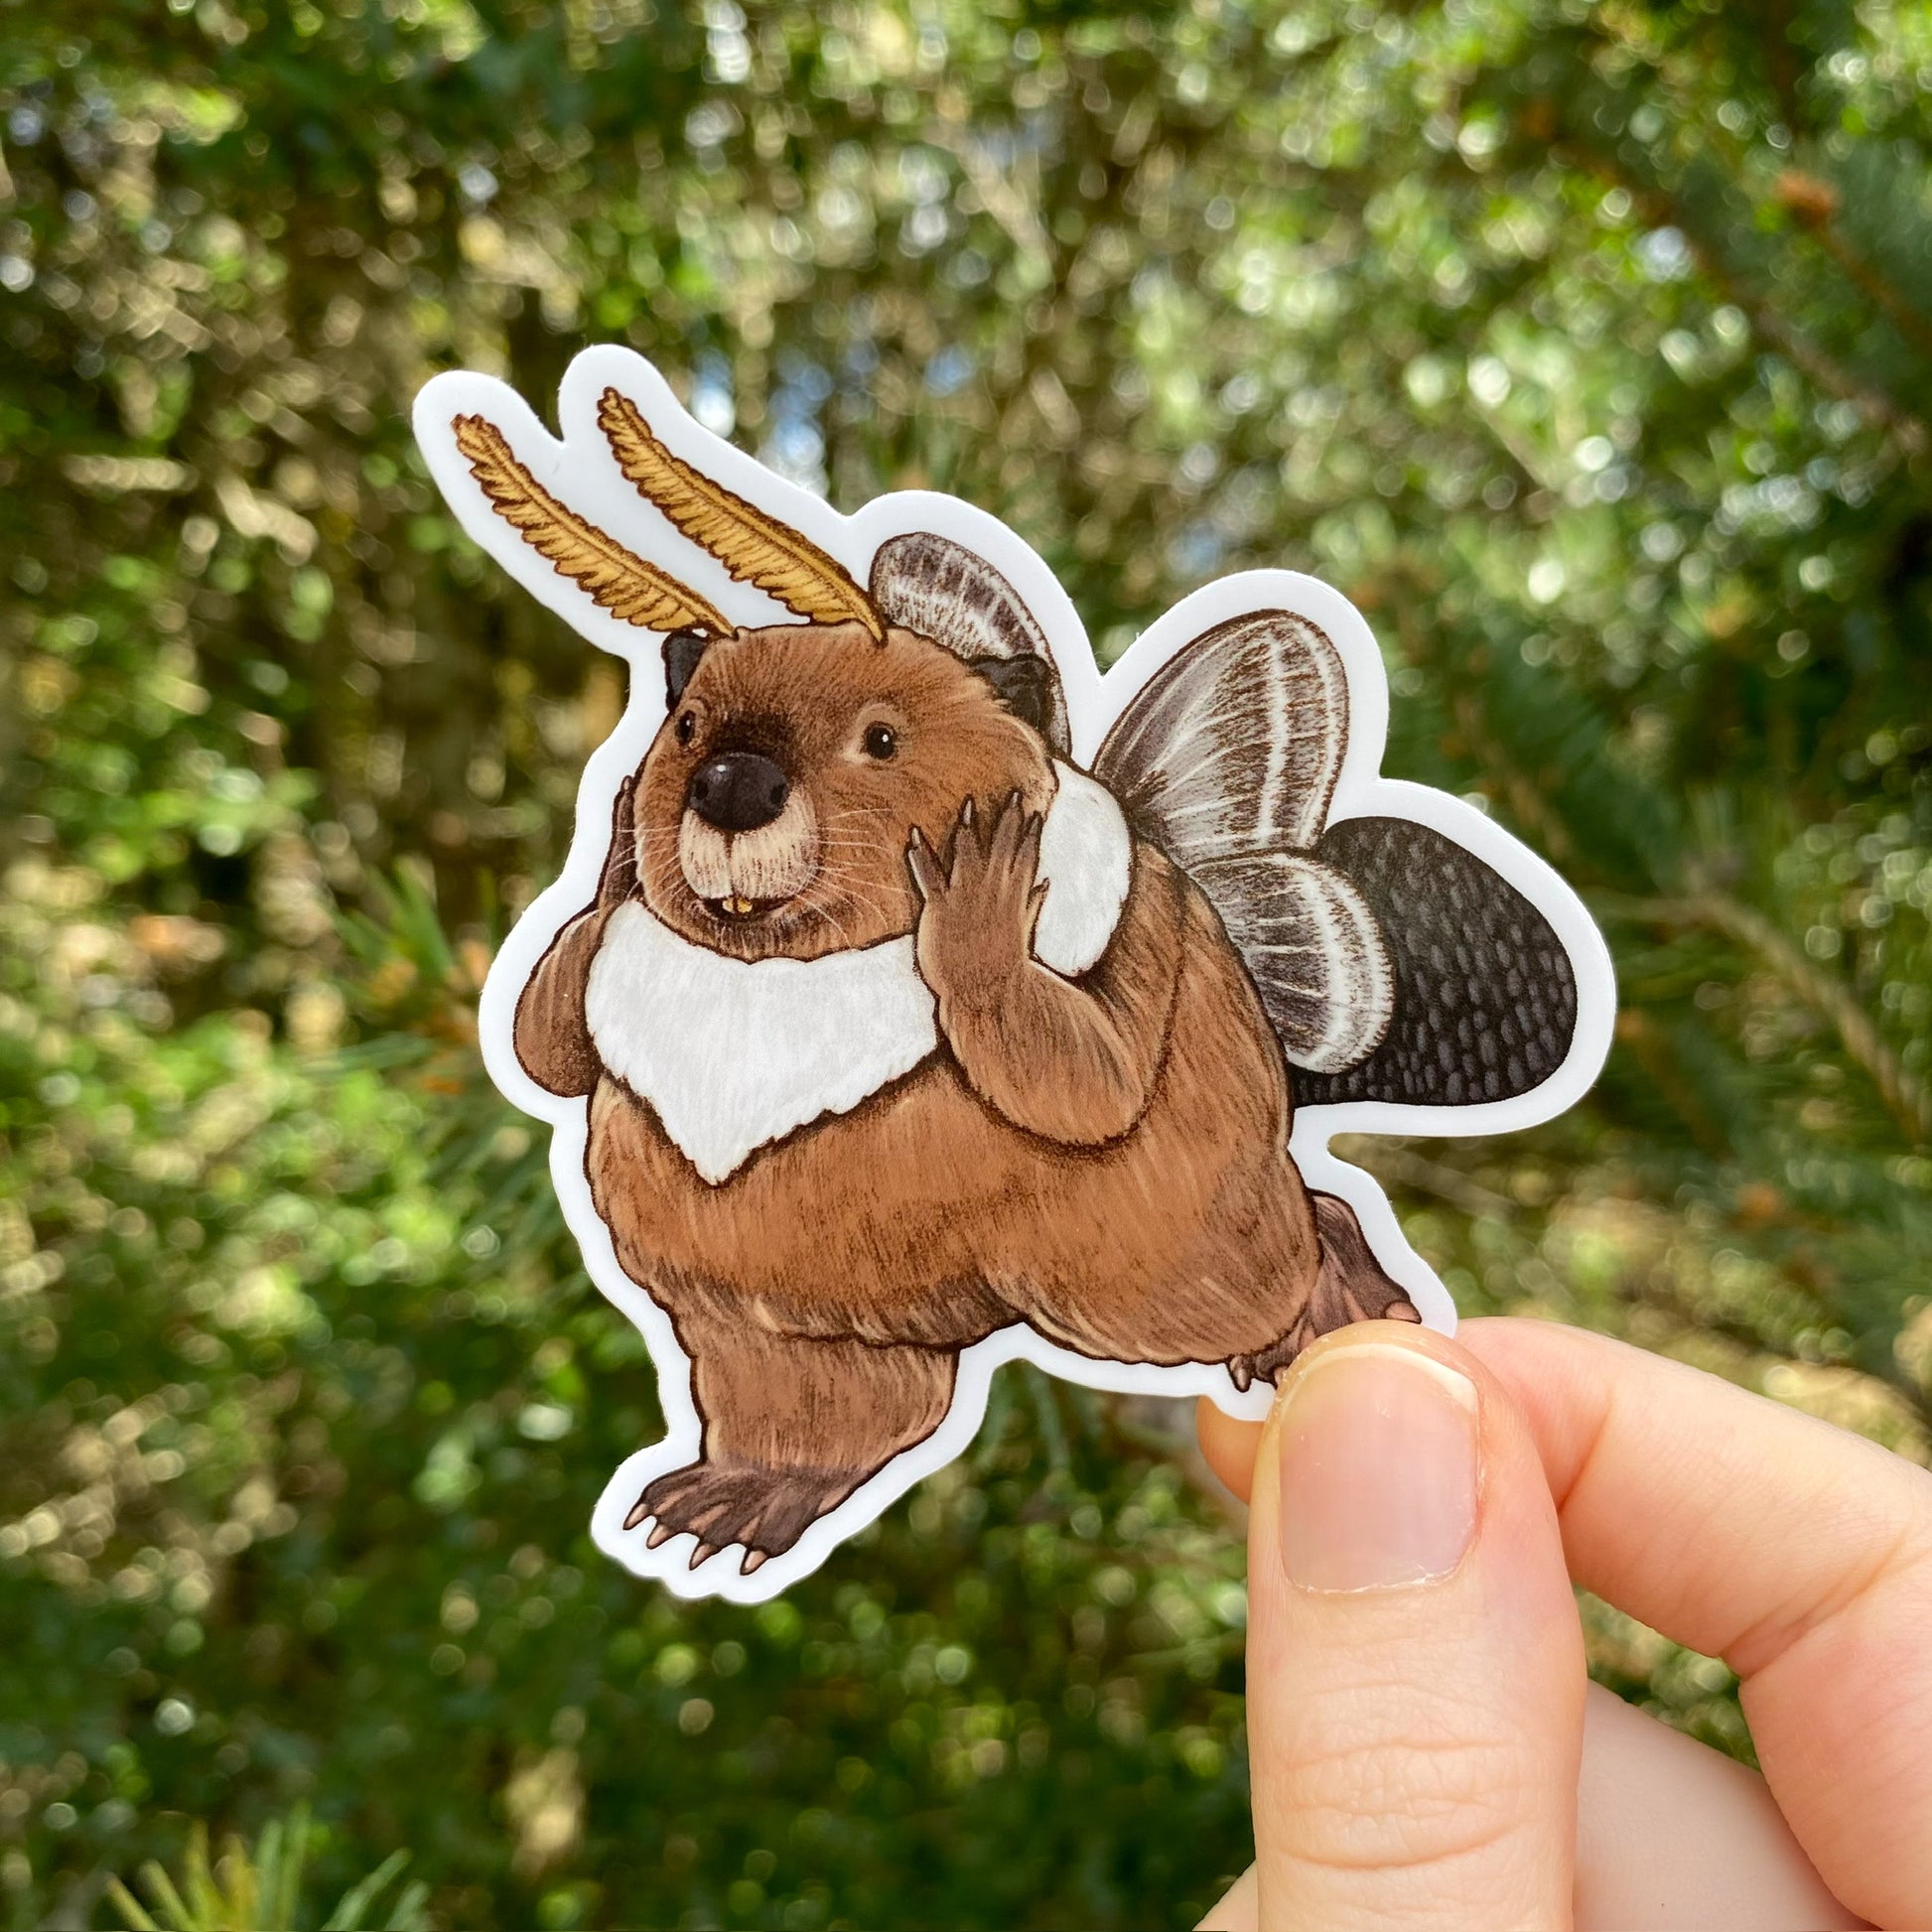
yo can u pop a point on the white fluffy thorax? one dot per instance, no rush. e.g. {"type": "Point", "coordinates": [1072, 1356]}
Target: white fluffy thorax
{"type": "Point", "coordinates": [732, 1053]}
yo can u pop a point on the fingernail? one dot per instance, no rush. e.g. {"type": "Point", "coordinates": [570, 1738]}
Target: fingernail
{"type": "Point", "coordinates": [1378, 1469]}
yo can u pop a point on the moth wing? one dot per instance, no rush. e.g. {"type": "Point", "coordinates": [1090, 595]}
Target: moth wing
{"type": "Point", "coordinates": [1228, 761]}
{"type": "Point", "coordinates": [1235, 744]}
{"type": "Point", "coordinates": [1313, 949]}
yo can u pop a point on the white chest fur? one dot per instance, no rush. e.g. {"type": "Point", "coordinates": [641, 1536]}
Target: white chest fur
{"type": "Point", "coordinates": [733, 1055]}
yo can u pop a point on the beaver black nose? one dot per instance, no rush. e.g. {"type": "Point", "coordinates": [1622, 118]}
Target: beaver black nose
{"type": "Point", "coordinates": [738, 793]}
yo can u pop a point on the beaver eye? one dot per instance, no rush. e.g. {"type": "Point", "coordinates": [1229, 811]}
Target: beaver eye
{"type": "Point", "coordinates": [881, 741]}
{"type": "Point", "coordinates": [687, 723]}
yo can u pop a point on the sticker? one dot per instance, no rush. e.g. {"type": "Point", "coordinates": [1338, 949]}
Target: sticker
{"type": "Point", "coordinates": [916, 998]}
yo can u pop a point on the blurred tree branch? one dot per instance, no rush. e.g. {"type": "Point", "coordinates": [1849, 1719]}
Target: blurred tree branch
{"type": "Point", "coordinates": [1908, 1097]}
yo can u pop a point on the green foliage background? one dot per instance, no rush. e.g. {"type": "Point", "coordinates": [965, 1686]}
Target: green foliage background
{"type": "Point", "coordinates": [1586, 346]}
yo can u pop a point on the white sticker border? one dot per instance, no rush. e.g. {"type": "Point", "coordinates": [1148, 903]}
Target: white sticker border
{"type": "Point", "coordinates": [580, 470]}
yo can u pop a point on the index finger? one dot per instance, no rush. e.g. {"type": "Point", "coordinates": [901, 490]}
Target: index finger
{"type": "Point", "coordinates": [1800, 1554]}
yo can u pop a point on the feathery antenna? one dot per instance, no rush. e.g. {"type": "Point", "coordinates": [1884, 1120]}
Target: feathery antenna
{"type": "Point", "coordinates": [756, 548]}
{"type": "Point", "coordinates": [614, 579]}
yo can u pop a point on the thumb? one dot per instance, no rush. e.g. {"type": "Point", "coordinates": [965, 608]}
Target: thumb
{"type": "Point", "coordinates": [1415, 1661]}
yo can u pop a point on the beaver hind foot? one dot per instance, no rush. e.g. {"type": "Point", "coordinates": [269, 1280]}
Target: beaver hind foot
{"type": "Point", "coordinates": [1350, 1286]}
{"type": "Point", "coordinates": [764, 1510]}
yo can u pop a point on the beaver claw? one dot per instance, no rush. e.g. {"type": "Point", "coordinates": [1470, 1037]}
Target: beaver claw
{"type": "Point", "coordinates": [762, 1511]}
{"type": "Point", "coordinates": [1350, 1286]}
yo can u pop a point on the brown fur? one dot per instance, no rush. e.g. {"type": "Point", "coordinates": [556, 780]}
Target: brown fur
{"type": "Point", "coordinates": [1105, 1159]}
{"type": "Point", "coordinates": [807, 694]}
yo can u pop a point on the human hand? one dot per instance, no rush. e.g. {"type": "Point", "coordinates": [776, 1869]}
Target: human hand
{"type": "Point", "coordinates": [1421, 1747]}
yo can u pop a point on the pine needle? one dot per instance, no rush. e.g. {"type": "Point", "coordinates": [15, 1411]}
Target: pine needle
{"type": "Point", "coordinates": [348, 1913]}
{"type": "Point", "coordinates": [133, 1913]}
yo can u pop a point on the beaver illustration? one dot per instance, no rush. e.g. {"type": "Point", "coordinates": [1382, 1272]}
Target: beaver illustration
{"type": "Point", "coordinates": [896, 1029]}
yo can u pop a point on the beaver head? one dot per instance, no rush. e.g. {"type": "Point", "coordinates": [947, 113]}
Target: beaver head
{"type": "Point", "coordinates": [775, 805]}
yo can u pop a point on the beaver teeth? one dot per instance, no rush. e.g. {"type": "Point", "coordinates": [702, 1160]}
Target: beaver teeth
{"type": "Point", "coordinates": [738, 907]}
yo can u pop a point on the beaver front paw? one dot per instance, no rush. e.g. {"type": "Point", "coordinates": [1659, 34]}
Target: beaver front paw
{"type": "Point", "coordinates": [764, 1510]}
{"type": "Point", "coordinates": [978, 906]}
{"type": "Point", "coordinates": [1349, 1285]}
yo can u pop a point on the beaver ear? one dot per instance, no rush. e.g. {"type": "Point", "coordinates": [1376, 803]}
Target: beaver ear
{"type": "Point", "coordinates": [944, 592]}
{"type": "Point", "coordinates": [1024, 685]}
{"type": "Point", "coordinates": [682, 650]}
